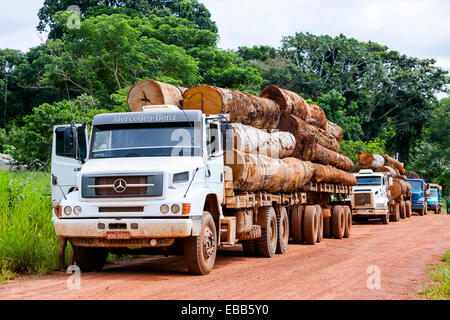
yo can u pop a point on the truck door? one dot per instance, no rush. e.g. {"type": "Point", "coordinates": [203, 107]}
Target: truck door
{"type": "Point", "coordinates": [69, 151]}
{"type": "Point", "coordinates": [215, 176]}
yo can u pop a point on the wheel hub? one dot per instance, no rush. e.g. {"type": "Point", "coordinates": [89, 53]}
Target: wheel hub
{"type": "Point", "coordinates": [209, 244]}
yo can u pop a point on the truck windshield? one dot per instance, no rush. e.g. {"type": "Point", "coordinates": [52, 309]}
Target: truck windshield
{"type": "Point", "coordinates": [146, 140]}
{"type": "Point", "coordinates": [416, 185]}
{"type": "Point", "coordinates": [368, 181]}
{"type": "Point", "coordinates": [434, 193]}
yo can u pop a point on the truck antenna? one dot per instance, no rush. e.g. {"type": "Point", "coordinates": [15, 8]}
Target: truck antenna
{"type": "Point", "coordinates": [55, 179]}
{"type": "Point", "coordinates": [189, 186]}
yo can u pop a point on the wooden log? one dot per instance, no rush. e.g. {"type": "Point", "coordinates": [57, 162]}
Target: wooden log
{"type": "Point", "coordinates": [277, 144]}
{"type": "Point", "coordinates": [335, 130]}
{"type": "Point", "coordinates": [261, 173]}
{"type": "Point", "coordinates": [394, 163]}
{"type": "Point", "coordinates": [370, 161]}
{"type": "Point", "coordinates": [314, 152]}
{"type": "Point", "coordinates": [306, 132]}
{"type": "Point", "coordinates": [393, 172]}
{"type": "Point", "coordinates": [412, 175]}
{"type": "Point", "coordinates": [291, 103]}
{"type": "Point", "coordinates": [241, 106]}
{"type": "Point", "coordinates": [398, 188]}
{"type": "Point", "coordinates": [331, 174]}
{"type": "Point", "coordinates": [150, 92]}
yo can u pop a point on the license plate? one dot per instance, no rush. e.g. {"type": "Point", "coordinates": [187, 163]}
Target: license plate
{"type": "Point", "coordinates": [363, 211]}
{"type": "Point", "coordinates": [117, 235]}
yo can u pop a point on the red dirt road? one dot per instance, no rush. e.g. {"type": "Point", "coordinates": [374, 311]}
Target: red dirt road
{"type": "Point", "coordinates": [333, 269]}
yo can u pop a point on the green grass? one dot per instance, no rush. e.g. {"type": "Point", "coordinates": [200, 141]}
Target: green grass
{"type": "Point", "coordinates": [28, 243]}
{"type": "Point", "coordinates": [440, 280]}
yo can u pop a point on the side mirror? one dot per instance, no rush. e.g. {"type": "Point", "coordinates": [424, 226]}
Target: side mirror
{"type": "Point", "coordinates": [227, 137]}
{"type": "Point", "coordinates": [69, 141]}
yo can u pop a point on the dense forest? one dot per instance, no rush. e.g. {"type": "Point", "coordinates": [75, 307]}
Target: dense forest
{"type": "Point", "coordinates": [384, 100]}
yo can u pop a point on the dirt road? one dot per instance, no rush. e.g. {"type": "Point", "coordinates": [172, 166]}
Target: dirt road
{"type": "Point", "coordinates": [333, 269]}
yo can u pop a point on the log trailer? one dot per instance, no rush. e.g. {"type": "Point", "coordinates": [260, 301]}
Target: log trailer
{"type": "Point", "coordinates": [374, 197]}
{"type": "Point", "coordinates": [155, 182]}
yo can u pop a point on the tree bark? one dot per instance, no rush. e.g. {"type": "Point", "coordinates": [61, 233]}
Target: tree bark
{"type": "Point", "coordinates": [391, 170]}
{"type": "Point", "coordinates": [331, 175]}
{"type": "Point", "coordinates": [292, 103]}
{"type": "Point", "coordinates": [394, 163]}
{"type": "Point", "coordinates": [335, 130]}
{"type": "Point", "coordinates": [261, 173]}
{"type": "Point", "coordinates": [306, 132]}
{"type": "Point", "coordinates": [370, 161]}
{"type": "Point", "coordinates": [398, 188]}
{"type": "Point", "coordinates": [150, 92]}
{"type": "Point", "coordinates": [241, 106]}
{"type": "Point", "coordinates": [277, 144]}
{"type": "Point", "coordinates": [412, 175]}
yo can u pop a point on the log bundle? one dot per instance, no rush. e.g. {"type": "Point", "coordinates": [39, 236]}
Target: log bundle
{"type": "Point", "coordinates": [394, 163]}
{"type": "Point", "coordinates": [253, 172]}
{"type": "Point", "coordinates": [150, 92]}
{"type": "Point", "coordinates": [368, 160]}
{"type": "Point", "coordinates": [391, 170]}
{"type": "Point", "coordinates": [398, 188]}
{"type": "Point", "coordinates": [314, 152]}
{"type": "Point", "coordinates": [292, 104]}
{"type": "Point", "coordinates": [331, 174]}
{"type": "Point", "coordinates": [277, 144]}
{"type": "Point", "coordinates": [335, 130]}
{"type": "Point", "coordinates": [412, 175]}
{"type": "Point", "coordinates": [241, 106]}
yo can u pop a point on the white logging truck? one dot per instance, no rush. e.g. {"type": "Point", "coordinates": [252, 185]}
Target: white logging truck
{"type": "Point", "coordinates": [155, 182]}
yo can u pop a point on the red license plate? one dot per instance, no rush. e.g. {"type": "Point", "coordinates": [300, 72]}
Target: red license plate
{"type": "Point", "coordinates": [117, 235]}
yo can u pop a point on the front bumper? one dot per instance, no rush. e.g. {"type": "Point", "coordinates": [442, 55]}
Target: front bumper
{"type": "Point", "coordinates": [143, 228]}
{"type": "Point", "coordinates": [417, 206]}
{"type": "Point", "coordinates": [370, 212]}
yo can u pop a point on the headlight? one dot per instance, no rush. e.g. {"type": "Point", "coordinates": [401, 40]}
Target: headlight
{"type": "Point", "coordinates": [175, 208]}
{"type": "Point", "coordinates": [77, 210]}
{"type": "Point", "coordinates": [164, 209]}
{"type": "Point", "coordinates": [67, 211]}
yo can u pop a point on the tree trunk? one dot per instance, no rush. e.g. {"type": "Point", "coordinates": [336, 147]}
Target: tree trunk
{"type": "Point", "coordinates": [150, 92]}
{"type": "Point", "coordinates": [277, 144]}
{"type": "Point", "coordinates": [412, 175]}
{"type": "Point", "coordinates": [391, 170]}
{"type": "Point", "coordinates": [241, 106]}
{"type": "Point", "coordinates": [394, 163]}
{"type": "Point", "coordinates": [370, 161]}
{"type": "Point", "coordinates": [261, 173]}
{"type": "Point", "coordinates": [335, 130]}
{"type": "Point", "coordinates": [292, 103]}
{"type": "Point", "coordinates": [306, 132]}
{"type": "Point", "coordinates": [398, 188]}
{"type": "Point", "coordinates": [331, 175]}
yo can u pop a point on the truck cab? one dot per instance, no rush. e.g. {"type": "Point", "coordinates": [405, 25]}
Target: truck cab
{"type": "Point", "coordinates": [370, 197]}
{"type": "Point", "coordinates": [434, 200]}
{"type": "Point", "coordinates": [152, 180]}
{"type": "Point", "coordinates": [418, 196]}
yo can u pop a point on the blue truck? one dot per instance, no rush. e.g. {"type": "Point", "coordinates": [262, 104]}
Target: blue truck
{"type": "Point", "coordinates": [419, 194]}
{"type": "Point", "coordinates": [434, 200]}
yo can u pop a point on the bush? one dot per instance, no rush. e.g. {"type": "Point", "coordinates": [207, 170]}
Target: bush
{"type": "Point", "coordinates": [352, 148]}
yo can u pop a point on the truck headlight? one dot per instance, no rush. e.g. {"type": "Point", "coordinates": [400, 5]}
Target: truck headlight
{"type": "Point", "coordinates": [175, 208]}
{"type": "Point", "coordinates": [77, 210]}
{"type": "Point", "coordinates": [67, 210]}
{"type": "Point", "coordinates": [164, 209]}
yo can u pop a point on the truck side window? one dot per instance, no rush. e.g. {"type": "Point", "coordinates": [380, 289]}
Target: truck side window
{"type": "Point", "coordinates": [212, 141]}
{"type": "Point", "coordinates": [82, 143]}
{"type": "Point", "coordinates": [60, 145]}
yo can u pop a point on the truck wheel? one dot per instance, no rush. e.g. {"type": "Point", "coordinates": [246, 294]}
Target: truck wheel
{"type": "Point", "coordinates": [421, 212]}
{"type": "Point", "coordinates": [396, 213]}
{"type": "Point", "coordinates": [348, 222]}
{"type": "Point", "coordinates": [283, 231]}
{"type": "Point", "coordinates": [296, 223]}
{"type": "Point", "coordinates": [338, 222]}
{"type": "Point", "coordinates": [426, 209]}
{"type": "Point", "coordinates": [403, 210]}
{"type": "Point", "coordinates": [327, 227]}
{"type": "Point", "coordinates": [249, 248]}
{"type": "Point", "coordinates": [90, 259]}
{"type": "Point", "coordinates": [385, 218]}
{"type": "Point", "coordinates": [408, 209]}
{"type": "Point", "coordinates": [200, 251]}
{"type": "Point", "coordinates": [319, 222]}
{"type": "Point", "coordinates": [266, 246]}
{"type": "Point", "coordinates": [310, 225]}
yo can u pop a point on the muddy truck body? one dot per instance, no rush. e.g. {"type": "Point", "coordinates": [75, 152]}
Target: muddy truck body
{"type": "Point", "coordinates": [155, 182]}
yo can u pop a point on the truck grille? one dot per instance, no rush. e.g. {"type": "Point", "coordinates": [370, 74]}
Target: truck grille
{"type": "Point", "coordinates": [122, 186]}
{"type": "Point", "coordinates": [362, 200]}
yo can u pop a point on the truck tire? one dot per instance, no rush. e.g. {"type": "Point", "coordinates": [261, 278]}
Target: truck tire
{"type": "Point", "coordinates": [283, 230]}
{"type": "Point", "coordinates": [385, 218]}
{"type": "Point", "coordinates": [338, 222]}
{"type": "Point", "coordinates": [348, 221]}
{"type": "Point", "coordinates": [296, 223]}
{"type": "Point", "coordinates": [310, 225]}
{"type": "Point", "coordinates": [327, 227]}
{"type": "Point", "coordinates": [90, 259]}
{"type": "Point", "coordinates": [396, 212]}
{"type": "Point", "coordinates": [421, 212]}
{"type": "Point", "coordinates": [249, 248]}
{"type": "Point", "coordinates": [319, 223]}
{"type": "Point", "coordinates": [402, 210]}
{"type": "Point", "coordinates": [408, 209]}
{"type": "Point", "coordinates": [266, 246]}
{"type": "Point", "coordinates": [426, 209]}
{"type": "Point", "coordinates": [200, 251]}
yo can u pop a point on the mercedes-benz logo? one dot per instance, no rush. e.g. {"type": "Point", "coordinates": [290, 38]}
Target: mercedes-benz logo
{"type": "Point", "coordinates": [120, 185]}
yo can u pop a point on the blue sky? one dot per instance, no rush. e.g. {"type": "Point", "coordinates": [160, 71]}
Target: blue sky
{"type": "Point", "coordinates": [418, 28]}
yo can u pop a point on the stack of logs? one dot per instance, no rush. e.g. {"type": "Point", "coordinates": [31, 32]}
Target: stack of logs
{"type": "Point", "coordinates": [280, 141]}
{"type": "Point", "coordinates": [394, 168]}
